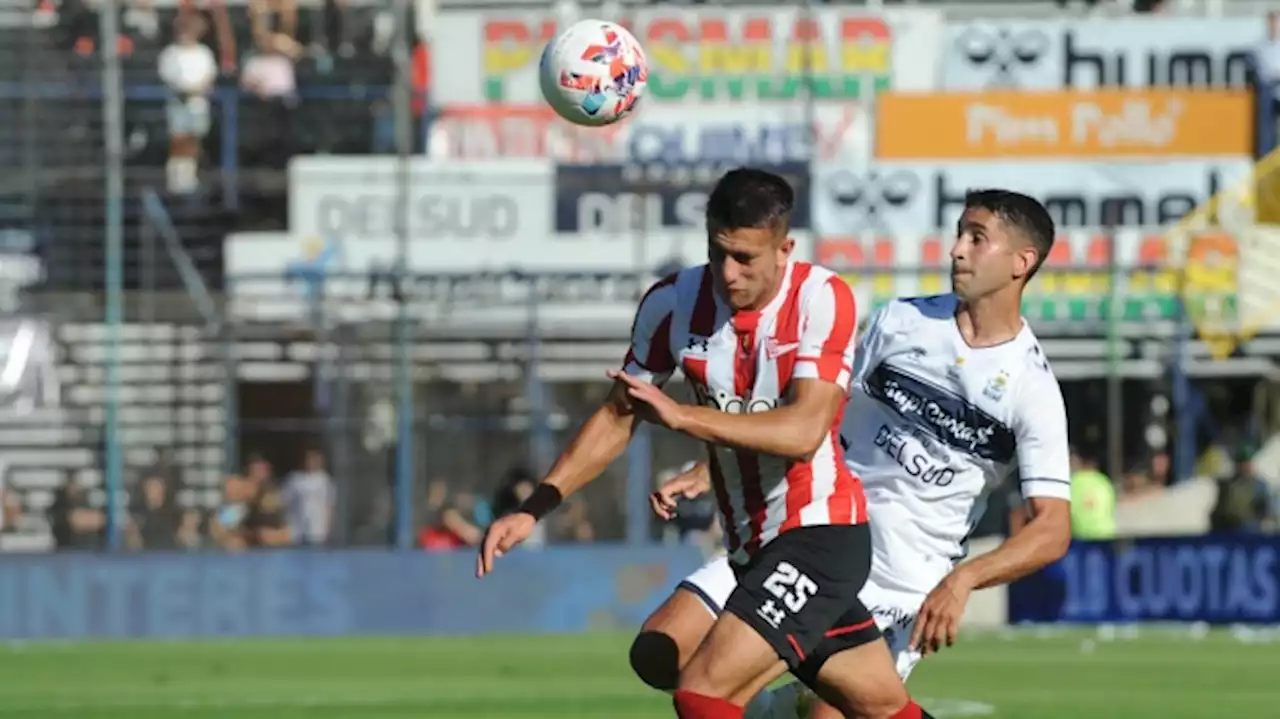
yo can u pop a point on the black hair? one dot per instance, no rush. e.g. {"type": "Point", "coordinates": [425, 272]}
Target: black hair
{"type": "Point", "coordinates": [748, 197]}
{"type": "Point", "coordinates": [1022, 212]}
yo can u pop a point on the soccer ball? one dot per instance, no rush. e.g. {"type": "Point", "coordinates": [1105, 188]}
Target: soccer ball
{"type": "Point", "coordinates": [593, 73]}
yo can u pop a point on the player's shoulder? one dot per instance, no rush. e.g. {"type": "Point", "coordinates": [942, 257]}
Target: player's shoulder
{"type": "Point", "coordinates": [666, 290]}
{"type": "Point", "coordinates": [913, 312]}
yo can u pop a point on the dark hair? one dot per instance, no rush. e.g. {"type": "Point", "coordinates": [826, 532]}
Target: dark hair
{"type": "Point", "coordinates": [1021, 212]}
{"type": "Point", "coordinates": [747, 197]}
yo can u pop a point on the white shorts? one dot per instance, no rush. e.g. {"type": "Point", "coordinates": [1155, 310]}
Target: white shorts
{"type": "Point", "coordinates": [894, 612]}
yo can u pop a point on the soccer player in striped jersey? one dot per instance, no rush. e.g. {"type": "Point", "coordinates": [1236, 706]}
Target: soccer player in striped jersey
{"type": "Point", "coordinates": [767, 344]}
{"type": "Point", "coordinates": [951, 395]}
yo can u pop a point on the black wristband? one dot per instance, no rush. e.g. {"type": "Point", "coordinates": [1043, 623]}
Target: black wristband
{"type": "Point", "coordinates": [543, 501]}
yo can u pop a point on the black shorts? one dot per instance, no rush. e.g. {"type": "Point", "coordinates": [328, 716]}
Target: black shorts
{"type": "Point", "coordinates": [800, 592]}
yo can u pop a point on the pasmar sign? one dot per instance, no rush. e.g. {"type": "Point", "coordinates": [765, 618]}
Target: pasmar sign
{"type": "Point", "coordinates": [1075, 284]}
{"type": "Point", "coordinates": [708, 55]}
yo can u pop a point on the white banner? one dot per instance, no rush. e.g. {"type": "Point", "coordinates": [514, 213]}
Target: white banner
{"type": "Point", "coordinates": [915, 198]}
{"type": "Point", "coordinates": [661, 134]}
{"type": "Point", "coordinates": [461, 217]}
{"type": "Point", "coordinates": [703, 55]}
{"type": "Point", "coordinates": [1084, 54]}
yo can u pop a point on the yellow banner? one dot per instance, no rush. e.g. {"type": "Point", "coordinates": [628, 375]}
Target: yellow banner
{"type": "Point", "coordinates": [1102, 123]}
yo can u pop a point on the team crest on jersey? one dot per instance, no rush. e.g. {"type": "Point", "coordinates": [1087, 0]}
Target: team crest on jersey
{"type": "Point", "coordinates": [954, 370]}
{"type": "Point", "coordinates": [996, 386]}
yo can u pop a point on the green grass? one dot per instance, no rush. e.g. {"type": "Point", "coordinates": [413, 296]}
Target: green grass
{"type": "Point", "coordinates": [1164, 674]}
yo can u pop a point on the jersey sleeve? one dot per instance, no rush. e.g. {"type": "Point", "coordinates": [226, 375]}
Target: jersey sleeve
{"type": "Point", "coordinates": [827, 335]}
{"type": "Point", "coordinates": [650, 357]}
{"type": "Point", "coordinates": [1040, 428]}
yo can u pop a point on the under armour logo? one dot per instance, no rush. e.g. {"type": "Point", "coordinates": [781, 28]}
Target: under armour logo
{"type": "Point", "coordinates": [771, 613]}
{"type": "Point", "coordinates": [700, 344]}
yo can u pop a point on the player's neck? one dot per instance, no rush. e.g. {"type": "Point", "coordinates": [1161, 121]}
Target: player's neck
{"type": "Point", "coordinates": [989, 321]}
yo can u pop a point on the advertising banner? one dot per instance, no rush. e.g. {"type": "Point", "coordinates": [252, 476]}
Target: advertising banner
{"type": "Point", "coordinates": [1075, 284]}
{"type": "Point", "coordinates": [918, 198]}
{"type": "Point", "coordinates": [622, 200]}
{"type": "Point", "coordinates": [1216, 580]}
{"type": "Point", "coordinates": [1136, 52]}
{"type": "Point", "coordinates": [665, 134]}
{"type": "Point", "coordinates": [460, 216]}
{"type": "Point", "coordinates": [705, 55]}
{"type": "Point", "coordinates": [332, 593]}
{"type": "Point", "coordinates": [1079, 125]}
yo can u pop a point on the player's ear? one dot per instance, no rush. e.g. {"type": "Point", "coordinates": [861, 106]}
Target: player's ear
{"type": "Point", "coordinates": [785, 248]}
{"type": "Point", "coordinates": [1024, 259]}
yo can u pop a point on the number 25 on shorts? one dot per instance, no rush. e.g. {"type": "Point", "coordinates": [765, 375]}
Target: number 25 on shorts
{"type": "Point", "coordinates": [791, 586]}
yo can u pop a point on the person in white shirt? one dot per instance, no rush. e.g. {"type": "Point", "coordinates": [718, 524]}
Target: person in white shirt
{"type": "Point", "coordinates": [309, 499]}
{"type": "Point", "coordinates": [951, 395]}
{"type": "Point", "coordinates": [188, 68]}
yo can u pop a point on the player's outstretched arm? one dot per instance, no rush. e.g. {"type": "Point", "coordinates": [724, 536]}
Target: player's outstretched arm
{"type": "Point", "coordinates": [605, 434]}
{"type": "Point", "coordinates": [1041, 541]}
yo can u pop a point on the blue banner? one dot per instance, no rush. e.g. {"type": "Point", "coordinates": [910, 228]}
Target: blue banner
{"type": "Point", "coordinates": [333, 593]}
{"type": "Point", "coordinates": [622, 199]}
{"type": "Point", "coordinates": [1215, 579]}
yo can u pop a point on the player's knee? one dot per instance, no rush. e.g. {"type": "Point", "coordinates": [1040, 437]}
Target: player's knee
{"type": "Point", "coordinates": [655, 658]}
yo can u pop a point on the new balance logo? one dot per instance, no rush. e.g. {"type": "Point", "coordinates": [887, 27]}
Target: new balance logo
{"type": "Point", "coordinates": [774, 350]}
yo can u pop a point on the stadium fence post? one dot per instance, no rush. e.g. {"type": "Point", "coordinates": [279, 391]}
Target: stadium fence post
{"type": "Point", "coordinates": [403, 372]}
{"type": "Point", "coordinates": [113, 145]}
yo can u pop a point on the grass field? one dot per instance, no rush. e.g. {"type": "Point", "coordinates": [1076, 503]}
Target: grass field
{"type": "Point", "coordinates": [1164, 674]}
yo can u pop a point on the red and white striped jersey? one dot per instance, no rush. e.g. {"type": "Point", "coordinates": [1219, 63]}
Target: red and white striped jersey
{"type": "Point", "coordinates": [744, 362]}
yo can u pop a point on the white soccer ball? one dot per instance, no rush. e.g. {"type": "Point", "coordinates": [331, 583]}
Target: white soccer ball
{"type": "Point", "coordinates": [593, 73]}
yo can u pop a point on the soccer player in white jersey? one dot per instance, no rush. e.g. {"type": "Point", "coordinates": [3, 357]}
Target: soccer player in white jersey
{"type": "Point", "coordinates": [951, 395]}
{"type": "Point", "coordinates": [767, 344]}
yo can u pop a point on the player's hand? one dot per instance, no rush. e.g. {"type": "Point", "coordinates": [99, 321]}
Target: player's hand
{"type": "Point", "coordinates": [689, 485]}
{"type": "Point", "coordinates": [938, 622]}
{"type": "Point", "coordinates": [501, 537]}
{"type": "Point", "coordinates": [650, 402]}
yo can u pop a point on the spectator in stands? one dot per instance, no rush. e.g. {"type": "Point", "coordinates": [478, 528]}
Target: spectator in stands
{"type": "Point", "coordinates": [156, 520]}
{"type": "Point", "coordinates": [1244, 500]}
{"type": "Point", "coordinates": [574, 523]}
{"type": "Point", "coordinates": [226, 527]}
{"type": "Point", "coordinates": [1093, 499]}
{"type": "Point", "coordinates": [270, 76]}
{"type": "Point", "coordinates": [449, 521]}
{"type": "Point", "coordinates": [271, 17]}
{"type": "Point", "coordinates": [189, 70]}
{"type": "Point", "coordinates": [75, 522]}
{"type": "Point", "coordinates": [224, 34]}
{"type": "Point", "coordinates": [264, 525]}
{"type": "Point", "coordinates": [309, 500]}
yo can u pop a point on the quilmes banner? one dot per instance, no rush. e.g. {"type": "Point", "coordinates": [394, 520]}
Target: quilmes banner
{"type": "Point", "coordinates": [706, 55]}
{"type": "Point", "coordinates": [1217, 580]}
{"type": "Point", "coordinates": [664, 134]}
{"type": "Point", "coordinates": [1105, 123]}
{"type": "Point", "coordinates": [458, 216]}
{"type": "Point", "coordinates": [917, 198]}
{"type": "Point", "coordinates": [1075, 284]}
{"type": "Point", "coordinates": [1136, 52]}
{"type": "Point", "coordinates": [627, 200]}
